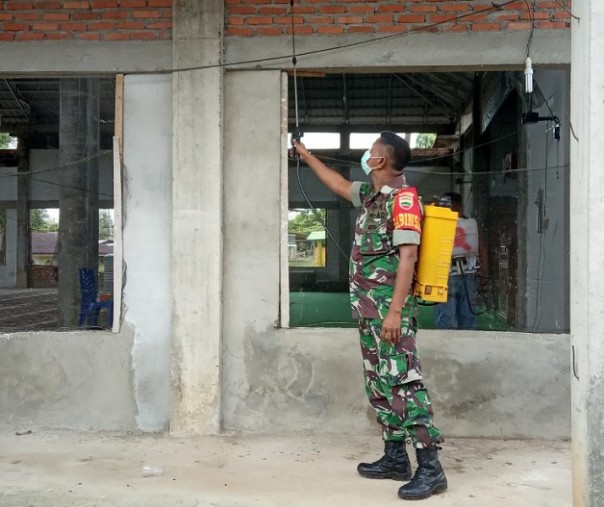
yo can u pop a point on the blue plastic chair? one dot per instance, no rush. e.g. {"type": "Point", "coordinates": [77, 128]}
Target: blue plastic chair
{"type": "Point", "coordinates": [91, 306]}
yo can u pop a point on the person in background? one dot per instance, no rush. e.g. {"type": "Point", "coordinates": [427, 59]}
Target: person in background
{"type": "Point", "coordinates": [459, 310]}
{"type": "Point", "coordinates": [382, 264]}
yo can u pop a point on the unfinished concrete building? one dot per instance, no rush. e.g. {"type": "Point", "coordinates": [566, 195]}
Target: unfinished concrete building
{"type": "Point", "coordinates": [175, 115]}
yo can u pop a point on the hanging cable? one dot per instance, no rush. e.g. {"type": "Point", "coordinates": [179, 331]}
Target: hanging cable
{"type": "Point", "coordinates": [297, 135]}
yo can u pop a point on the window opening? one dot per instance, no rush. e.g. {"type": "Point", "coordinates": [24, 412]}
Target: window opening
{"type": "Point", "coordinates": [57, 231]}
{"type": "Point", "coordinates": [467, 137]}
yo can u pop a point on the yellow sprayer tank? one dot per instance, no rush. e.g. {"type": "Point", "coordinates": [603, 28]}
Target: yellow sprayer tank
{"type": "Point", "coordinates": [436, 247]}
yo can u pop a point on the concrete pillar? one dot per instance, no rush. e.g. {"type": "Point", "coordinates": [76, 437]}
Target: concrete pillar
{"type": "Point", "coordinates": [587, 253]}
{"type": "Point", "coordinates": [23, 235]}
{"type": "Point", "coordinates": [78, 204]}
{"type": "Point", "coordinates": [197, 217]}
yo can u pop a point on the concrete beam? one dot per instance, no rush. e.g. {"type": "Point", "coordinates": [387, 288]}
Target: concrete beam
{"type": "Point", "coordinates": [59, 57]}
{"type": "Point", "coordinates": [415, 52]}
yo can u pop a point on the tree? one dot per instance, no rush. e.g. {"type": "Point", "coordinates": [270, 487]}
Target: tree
{"type": "Point", "coordinates": [426, 141]}
{"type": "Point", "coordinates": [40, 221]}
{"type": "Point", "coordinates": [5, 140]}
{"type": "Point", "coordinates": [105, 225]}
{"type": "Point", "coordinates": [307, 221]}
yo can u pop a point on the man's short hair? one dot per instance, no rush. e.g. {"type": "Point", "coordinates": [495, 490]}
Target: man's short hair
{"type": "Point", "coordinates": [398, 148]}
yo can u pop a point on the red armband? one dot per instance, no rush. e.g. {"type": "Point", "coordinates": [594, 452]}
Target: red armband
{"type": "Point", "coordinates": [406, 211]}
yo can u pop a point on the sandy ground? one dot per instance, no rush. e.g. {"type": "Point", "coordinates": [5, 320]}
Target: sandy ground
{"type": "Point", "coordinates": [65, 469]}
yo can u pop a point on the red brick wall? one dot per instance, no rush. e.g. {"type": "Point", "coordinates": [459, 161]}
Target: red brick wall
{"type": "Point", "coordinates": [273, 17]}
{"type": "Point", "coordinates": [93, 20]}
{"type": "Point", "coordinates": [43, 277]}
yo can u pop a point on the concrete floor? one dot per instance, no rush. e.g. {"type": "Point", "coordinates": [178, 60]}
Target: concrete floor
{"type": "Point", "coordinates": [84, 470]}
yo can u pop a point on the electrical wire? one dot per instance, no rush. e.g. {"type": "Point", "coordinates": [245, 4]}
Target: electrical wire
{"type": "Point", "coordinates": [531, 11]}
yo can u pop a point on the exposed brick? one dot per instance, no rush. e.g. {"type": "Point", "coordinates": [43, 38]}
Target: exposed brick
{"type": "Point", "coordinates": [146, 35]}
{"type": "Point", "coordinates": [160, 25]}
{"type": "Point", "coordinates": [392, 28]}
{"type": "Point", "coordinates": [116, 36]}
{"type": "Point", "coordinates": [57, 36]}
{"type": "Point", "coordinates": [47, 5]}
{"type": "Point", "coordinates": [18, 6]}
{"type": "Point", "coordinates": [75, 5]}
{"type": "Point", "coordinates": [239, 31]}
{"type": "Point", "coordinates": [455, 7]}
{"type": "Point", "coordinates": [441, 18]}
{"type": "Point", "coordinates": [411, 18]}
{"type": "Point", "coordinates": [263, 11]}
{"type": "Point", "coordinates": [380, 18]}
{"type": "Point", "coordinates": [506, 17]}
{"type": "Point", "coordinates": [269, 30]}
{"type": "Point", "coordinates": [81, 15]}
{"type": "Point", "coordinates": [73, 27]}
{"type": "Point", "coordinates": [521, 25]}
{"type": "Point", "coordinates": [303, 9]}
{"type": "Point", "coordinates": [88, 36]}
{"type": "Point", "coordinates": [160, 3]}
{"type": "Point", "coordinates": [552, 25]}
{"type": "Point", "coordinates": [133, 3]}
{"type": "Point", "coordinates": [260, 20]}
{"type": "Point", "coordinates": [362, 29]}
{"type": "Point", "coordinates": [7, 36]}
{"type": "Point", "coordinates": [28, 36]}
{"type": "Point", "coordinates": [460, 28]}
{"type": "Point", "coordinates": [15, 27]}
{"type": "Point", "coordinates": [331, 30]}
{"type": "Point", "coordinates": [320, 20]}
{"type": "Point", "coordinates": [297, 20]}
{"type": "Point", "coordinates": [301, 30]}
{"type": "Point", "coordinates": [350, 20]}
{"type": "Point", "coordinates": [44, 27]}
{"type": "Point", "coordinates": [485, 27]}
{"type": "Point", "coordinates": [332, 9]}
{"type": "Point", "coordinates": [27, 15]}
{"type": "Point", "coordinates": [103, 4]}
{"type": "Point", "coordinates": [116, 14]}
{"type": "Point", "coordinates": [360, 9]}
{"type": "Point", "coordinates": [535, 15]}
{"type": "Point", "coordinates": [5, 16]}
{"type": "Point", "coordinates": [423, 8]}
{"type": "Point", "coordinates": [102, 25]}
{"type": "Point", "coordinates": [128, 25]}
{"type": "Point", "coordinates": [56, 16]}
{"type": "Point", "coordinates": [391, 8]}
{"type": "Point", "coordinates": [145, 14]}
{"type": "Point", "coordinates": [243, 9]}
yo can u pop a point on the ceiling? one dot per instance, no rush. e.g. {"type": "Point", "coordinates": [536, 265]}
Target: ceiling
{"type": "Point", "coordinates": [417, 102]}
{"type": "Point", "coordinates": [34, 104]}
{"type": "Point", "coordinates": [404, 102]}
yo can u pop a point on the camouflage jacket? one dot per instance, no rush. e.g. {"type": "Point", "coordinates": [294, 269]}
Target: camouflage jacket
{"type": "Point", "coordinates": [389, 218]}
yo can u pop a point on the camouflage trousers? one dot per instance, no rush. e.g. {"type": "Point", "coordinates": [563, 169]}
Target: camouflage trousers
{"type": "Point", "coordinates": [393, 383]}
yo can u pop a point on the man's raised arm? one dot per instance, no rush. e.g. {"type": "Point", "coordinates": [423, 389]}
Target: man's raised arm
{"type": "Point", "coordinates": [331, 178]}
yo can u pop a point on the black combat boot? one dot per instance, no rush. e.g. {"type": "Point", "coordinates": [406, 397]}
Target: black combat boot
{"type": "Point", "coordinates": [394, 464]}
{"type": "Point", "coordinates": [429, 478]}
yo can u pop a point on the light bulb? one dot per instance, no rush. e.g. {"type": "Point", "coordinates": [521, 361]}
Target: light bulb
{"type": "Point", "coordinates": [528, 76]}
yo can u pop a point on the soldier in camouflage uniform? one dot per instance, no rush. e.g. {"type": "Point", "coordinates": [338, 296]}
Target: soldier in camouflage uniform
{"type": "Point", "coordinates": [382, 265]}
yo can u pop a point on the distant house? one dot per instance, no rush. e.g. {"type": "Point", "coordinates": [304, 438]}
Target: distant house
{"type": "Point", "coordinates": [44, 248]}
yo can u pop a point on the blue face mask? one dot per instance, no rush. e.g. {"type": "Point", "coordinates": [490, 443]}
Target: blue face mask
{"type": "Point", "coordinates": [364, 159]}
